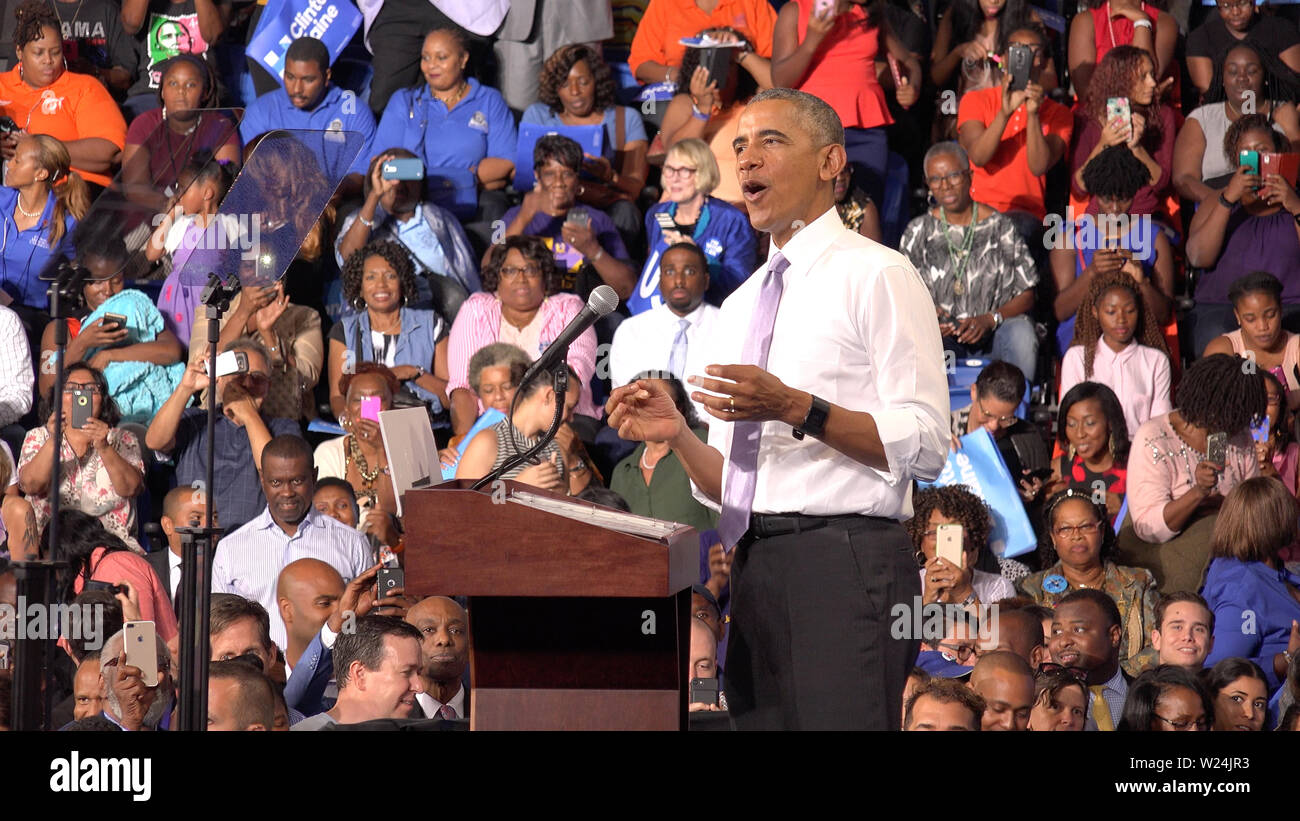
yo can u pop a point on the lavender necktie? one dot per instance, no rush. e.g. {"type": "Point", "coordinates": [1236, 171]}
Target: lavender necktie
{"type": "Point", "coordinates": [677, 356]}
{"type": "Point", "coordinates": [741, 475]}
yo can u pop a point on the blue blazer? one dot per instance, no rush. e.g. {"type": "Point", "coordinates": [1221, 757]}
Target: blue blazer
{"type": "Point", "coordinates": [1252, 612]}
{"type": "Point", "coordinates": [305, 689]}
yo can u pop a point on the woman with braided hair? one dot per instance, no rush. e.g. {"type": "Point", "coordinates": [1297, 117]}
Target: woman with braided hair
{"type": "Point", "coordinates": [1174, 490]}
{"type": "Point", "coordinates": [1118, 343]}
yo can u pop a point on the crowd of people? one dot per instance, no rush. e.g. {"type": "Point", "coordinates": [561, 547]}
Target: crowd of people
{"type": "Point", "coordinates": [1103, 209]}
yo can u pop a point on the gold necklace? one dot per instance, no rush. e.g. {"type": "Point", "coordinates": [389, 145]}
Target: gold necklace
{"type": "Point", "coordinates": [363, 467]}
{"type": "Point", "coordinates": [450, 102]}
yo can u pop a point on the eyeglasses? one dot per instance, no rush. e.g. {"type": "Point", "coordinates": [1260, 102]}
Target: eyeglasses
{"type": "Point", "coordinates": [552, 177]}
{"type": "Point", "coordinates": [1052, 668]}
{"type": "Point", "coordinates": [677, 171]}
{"type": "Point", "coordinates": [1070, 531]}
{"type": "Point", "coordinates": [960, 652]}
{"type": "Point", "coordinates": [514, 272]}
{"type": "Point", "coordinates": [88, 387]}
{"type": "Point", "coordinates": [1003, 421]}
{"type": "Point", "coordinates": [1196, 725]}
{"type": "Point", "coordinates": [953, 178]}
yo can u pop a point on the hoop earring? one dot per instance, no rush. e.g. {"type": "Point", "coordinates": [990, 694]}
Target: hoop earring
{"type": "Point", "coordinates": [919, 556]}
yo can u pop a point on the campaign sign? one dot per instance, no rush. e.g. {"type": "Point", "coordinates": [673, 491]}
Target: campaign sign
{"type": "Point", "coordinates": [333, 22]}
{"type": "Point", "coordinates": [979, 466]}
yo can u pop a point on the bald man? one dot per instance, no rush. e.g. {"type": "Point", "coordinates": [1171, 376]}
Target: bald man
{"type": "Point", "coordinates": [444, 646]}
{"type": "Point", "coordinates": [1020, 632]}
{"type": "Point", "coordinates": [305, 593]}
{"type": "Point", "coordinates": [1006, 683]}
{"type": "Point", "coordinates": [182, 507]}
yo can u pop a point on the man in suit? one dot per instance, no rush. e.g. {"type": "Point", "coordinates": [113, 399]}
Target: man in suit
{"type": "Point", "coordinates": [1086, 637]}
{"type": "Point", "coordinates": [182, 507]}
{"type": "Point", "coordinates": [444, 631]}
{"type": "Point", "coordinates": [379, 673]}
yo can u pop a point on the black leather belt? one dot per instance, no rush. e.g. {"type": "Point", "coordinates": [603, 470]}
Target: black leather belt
{"type": "Point", "coordinates": [764, 525]}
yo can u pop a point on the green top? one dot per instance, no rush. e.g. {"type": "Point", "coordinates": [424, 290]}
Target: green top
{"type": "Point", "coordinates": [668, 496]}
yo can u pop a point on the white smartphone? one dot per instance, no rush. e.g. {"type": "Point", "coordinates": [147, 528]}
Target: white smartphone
{"type": "Point", "coordinates": [231, 362]}
{"type": "Point", "coordinates": [948, 544]}
{"type": "Point", "coordinates": [141, 642]}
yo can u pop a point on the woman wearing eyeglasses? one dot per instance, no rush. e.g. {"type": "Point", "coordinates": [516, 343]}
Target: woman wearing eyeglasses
{"type": "Point", "coordinates": [102, 468]}
{"type": "Point", "coordinates": [1167, 698]}
{"type": "Point", "coordinates": [721, 231]}
{"type": "Point", "coordinates": [942, 581]}
{"type": "Point", "coordinates": [1077, 554]}
{"type": "Point", "coordinates": [1237, 20]}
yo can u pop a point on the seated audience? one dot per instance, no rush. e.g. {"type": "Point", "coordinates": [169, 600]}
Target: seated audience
{"type": "Point", "coordinates": [721, 231]}
{"type": "Point", "coordinates": [242, 431]}
{"type": "Point", "coordinates": [576, 88]}
{"type": "Point", "coordinates": [942, 581]}
{"type": "Point", "coordinates": [240, 698]}
{"type": "Point", "coordinates": [1238, 22]}
{"type": "Point", "coordinates": [1087, 633]}
{"type": "Point", "coordinates": [86, 121]}
{"type": "Point", "coordinates": [1093, 437]}
{"type": "Point", "coordinates": [289, 528]}
{"type": "Point", "coordinates": [1257, 306]}
{"type": "Point", "coordinates": [494, 371]}
{"type": "Point", "coordinates": [461, 129]}
{"type": "Point", "coordinates": [1275, 447]}
{"type": "Point", "coordinates": [1249, 227]}
{"type": "Point", "coordinates": [306, 592]}
{"type": "Point", "coordinates": [943, 705]}
{"type": "Point", "coordinates": [587, 247]}
{"type": "Point", "coordinates": [996, 394]}
{"type": "Point", "coordinates": [102, 467]}
{"type": "Point", "coordinates": [1168, 698]}
{"type": "Point", "coordinates": [1006, 683]}
{"type": "Point", "coordinates": [379, 670]}
{"type": "Point", "coordinates": [335, 498]}
{"type": "Point", "coordinates": [1118, 344]}
{"type": "Point", "coordinates": [968, 39]}
{"type": "Point", "coordinates": [653, 480]}
{"type": "Point", "coordinates": [1112, 25]}
{"type": "Point", "coordinates": [657, 50]}
{"type": "Point", "coordinates": [1020, 631]}
{"type": "Point", "coordinates": [1183, 630]}
{"type": "Point", "coordinates": [16, 373]}
{"type": "Point", "coordinates": [521, 304]}
{"type": "Point", "coordinates": [1248, 80]}
{"type": "Point", "coordinates": [95, 43]}
{"type": "Point", "coordinates": [1247, 586]}
{"type": "Point", "coordinates": [378, 282]}
{"type": "Point", "coordinates": [444, 640]}
{"type": "Point", "coordinates": [1060, 702]}
{"type": "Point", "coordinates": [1239, 690]}
{"type": "Point", "coordinates": [1174, 491]}
{"type": "Point", "coordinates": [975, 265]}
{"type": "Point", "coordinates": [857, 210]}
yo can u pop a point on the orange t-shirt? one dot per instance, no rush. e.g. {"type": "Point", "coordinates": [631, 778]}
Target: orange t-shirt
{"type": "Point", "coordinates": [73, 107]}
{"type": "Point", "coordinates": [1005, 181]}
{"type": "Point", "coordinates": [666, 22]}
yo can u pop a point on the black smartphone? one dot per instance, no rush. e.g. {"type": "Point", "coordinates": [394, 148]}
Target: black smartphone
{"type": "Point", "coordinates": [704, 691]}
{"type": "Point", "coordinates": [1020, 59]}
{"type": "Point", "coordinates": [7, 125]}
{"type": "Point", "coordinates": [113, 322]}
{"type": "Point", "coordinates": [1041, 473]}
{"type": "Point", "coordinates": [389, 579]}
{"type": "Point", "coordinates": [95, 584]}
{"type": "Point", "coordinates": [83, 403]}
{"type": "Point", "coordinates": [719, 62]}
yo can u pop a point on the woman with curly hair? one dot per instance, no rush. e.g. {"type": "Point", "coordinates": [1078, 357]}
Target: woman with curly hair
{"type": "Point", "coordinates": [1112, 24]}
{"type": "Point", "coordinates": [577, 88]}
{"type": "Point", "coordinates": [707, 111]}
{"type": "Point", "coordinates": [1093, 438]}
{"type": "Point", "coordinates": [1118, 343]}
{"type": "Point", "coordinates": [378, 281]}
{"type": "Point", "coordinates": [1149, 132]}
{"type": "Point", "coordinates": [520, 304]}
{"type": "Point", "coordinates": [1174, 490]}
{"type": "Point", "coordinates": [1077, 548]}
{"type": "Point", "coordinates": [941, 581]}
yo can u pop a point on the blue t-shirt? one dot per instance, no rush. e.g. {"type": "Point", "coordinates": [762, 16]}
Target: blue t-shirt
{"type": "Point", "coordinates": [725, 236]}
{"type": "Point", "coordinates": [479, 126]}
{"type": "Point", "coordinates": [633, 127]}
{"type": "Point", "coordinates": [338, 110]}
{"type": "Point", "coordinates": [24, 254]}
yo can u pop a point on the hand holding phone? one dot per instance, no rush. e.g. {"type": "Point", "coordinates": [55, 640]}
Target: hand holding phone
{"type": "Point", "coordinates": [140, 643]}
{"type": "Point", "coordinates": [1216, 449]}
{"type": "Point", "coordinates": [948, 545]}
{"type": "Point", "coordinates": [83, 405]}
{"type": "Point", "coordinates": [370, 408]}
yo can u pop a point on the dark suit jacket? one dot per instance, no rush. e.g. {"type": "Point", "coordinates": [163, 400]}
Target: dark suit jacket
{"type": "Point", "coordinates": [159, 562]}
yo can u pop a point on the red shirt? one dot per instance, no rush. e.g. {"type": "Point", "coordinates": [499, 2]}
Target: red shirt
{"type": "Point", "coordinates": [1005, 181]}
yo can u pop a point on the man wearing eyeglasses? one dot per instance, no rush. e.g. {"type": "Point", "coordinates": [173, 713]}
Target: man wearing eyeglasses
{"type": "Point", "coordinates": [241, 433]}
{"type": "Point", "coordinates": [995, 396]}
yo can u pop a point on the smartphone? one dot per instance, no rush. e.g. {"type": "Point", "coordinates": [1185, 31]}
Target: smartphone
{"type": "Point", "coordinates": [1286, 166]}
{"type": "Point", "coordinates": [948, 544]}
{"type": "Point", "coordinates": [1118, 108]}
{"type": "Point", "coordinates": [232, 362]}
{"type": "Point", "coordinates": [113, 322]}
{"type": "Point", "coordinates": [403, 168]}
{"type": "Point", "coordinates": [665, 221]}
{"type": "Point", "coordinates": [389, 579]}
{"type": "Point", "coordinates": [1020, 59]}
{"type": "Point", "coordinates": [141, 643]}
{"type": "Point", "coordinates": [95, 584]}
{"type": "Point", "coordinates": [83, 403]}
{"type": "Point", "coordinates": [370, 408]}
{"type": "Point", "coordinates": [1251, 159]}
{"type": "Point", "coordinates": [7, 125]}
{"type": "Point", "coordinates": [822, 8]}
{"type": "Point", "coordinates": [704, 691]}
{"type": "Point", "coordinates": [1259, 431]}
{"type": "Point", "coordinates": [578, 216]}
{"type": "Point", "coordinates": [1216, 449]}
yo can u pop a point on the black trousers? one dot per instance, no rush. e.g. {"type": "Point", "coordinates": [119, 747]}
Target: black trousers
{"type": "Point", "coordinates": [398, 35]}
{"type": "Point", "coordinates": [810, 645]}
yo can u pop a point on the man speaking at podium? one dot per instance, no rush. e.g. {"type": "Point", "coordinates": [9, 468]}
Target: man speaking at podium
{"type": "Point", "coordinates": [837, 403]}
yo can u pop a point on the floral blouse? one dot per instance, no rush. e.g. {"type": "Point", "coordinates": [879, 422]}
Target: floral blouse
{"type": "Point", "coordinates": [85, 482]}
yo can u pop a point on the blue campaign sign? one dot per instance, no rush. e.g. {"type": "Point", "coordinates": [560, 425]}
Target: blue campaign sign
{"type": "Point", "coordinates": [333, 22]}
{"type": "Point", "coordinates": [979, 466]}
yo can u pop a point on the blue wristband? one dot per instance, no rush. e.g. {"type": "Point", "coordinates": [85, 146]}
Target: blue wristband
{"type": "Point", "coordinates": [697, 114]}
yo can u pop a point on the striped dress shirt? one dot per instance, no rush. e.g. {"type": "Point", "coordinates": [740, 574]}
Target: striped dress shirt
{"type": "Point", "coordinates": [248, 562]}
{"type": "Point", "coordinates": [16, 375]}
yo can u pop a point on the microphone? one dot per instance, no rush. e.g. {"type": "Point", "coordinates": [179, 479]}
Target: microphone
{"type": "Point", "coordinates": [602, 301]}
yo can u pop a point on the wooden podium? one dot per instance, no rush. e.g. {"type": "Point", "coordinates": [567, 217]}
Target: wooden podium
{"type": "Point", "coordinates": [573, 625]}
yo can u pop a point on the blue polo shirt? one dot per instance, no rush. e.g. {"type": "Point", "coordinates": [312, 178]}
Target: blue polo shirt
{"type": "Point", "coordinates": [338, 110]}
{"type": "Point", "coordinates": [24, 254]}
{"type": "Point", "coordinates": [479, 126]}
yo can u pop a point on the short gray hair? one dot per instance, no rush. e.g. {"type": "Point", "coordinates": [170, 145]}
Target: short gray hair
{"type": "Point", "coordinates": [950, 148]}
{"type": "Point", "coordinates": [249, 344]}
{"type": "Point", "coordinates": [817, 116]}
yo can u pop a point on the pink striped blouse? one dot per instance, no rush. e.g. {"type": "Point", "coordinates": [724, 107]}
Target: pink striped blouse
{"type": "Point", "coordinates": [479, 323]}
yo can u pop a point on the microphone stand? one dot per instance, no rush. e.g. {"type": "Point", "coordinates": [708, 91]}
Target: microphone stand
{"type": "Point", "coordinates": [33, 703]}
{"type": "Point", "coordinates": [195, 593]}
{"type": "Point", "coordinates": [560, 373]}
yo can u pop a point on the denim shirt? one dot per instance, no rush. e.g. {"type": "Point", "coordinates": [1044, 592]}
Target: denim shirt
{"type": "Point", "coordinates": [420, 332]}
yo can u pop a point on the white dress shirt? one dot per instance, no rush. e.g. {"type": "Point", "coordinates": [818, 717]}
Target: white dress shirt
{"type": "Point", "coordinates": [174, 576]}
{"type": "Point", "coordinates": [645, 342]}
{"type": "Point", "coordinates": [16, 375]}
{"type": "Point", "coordinates": [249, 561]}
{"type": "Point", "coordinates": [854, 328]}
{"type": "Point", "coordinates": [431, 705]}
